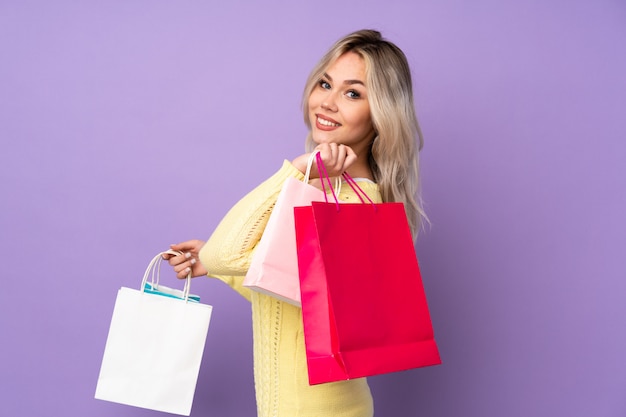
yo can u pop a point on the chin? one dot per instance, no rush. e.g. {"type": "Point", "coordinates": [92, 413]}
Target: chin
{"type": "Point", "coordinates": [320, 137]}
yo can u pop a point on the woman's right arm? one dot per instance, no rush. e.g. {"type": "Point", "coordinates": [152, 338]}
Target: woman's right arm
{"type": "Point", "coordinates": [230, 248]}
{"type": "Point", "coordinates": [227, 254]}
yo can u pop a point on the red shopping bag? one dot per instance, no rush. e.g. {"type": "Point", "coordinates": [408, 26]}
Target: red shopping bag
{"type": "Point", "coordinates": [363, 303]}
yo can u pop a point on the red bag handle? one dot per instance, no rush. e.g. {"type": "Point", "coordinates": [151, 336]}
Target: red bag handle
{"type": "Point", "coordinates": [358, 191]}
{"type": "Point", "coordinates": [351, 182]}
{"type": "Point", "coordinates": [324, 176]}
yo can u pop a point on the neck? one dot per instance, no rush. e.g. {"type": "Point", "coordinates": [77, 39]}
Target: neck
{"type": "Point", "coordinates": [361, 168]}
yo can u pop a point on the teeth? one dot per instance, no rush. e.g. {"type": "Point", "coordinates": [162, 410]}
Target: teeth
{"type": "Point", "coordinates": [326, 122]}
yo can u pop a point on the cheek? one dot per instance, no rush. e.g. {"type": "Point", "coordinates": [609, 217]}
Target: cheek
{"type": "Point", "coordinates": [313, 102]}
{"type": "Point", "coordinates": [362, 117]}
{"type": "Point", "coordinates": [309, 107]}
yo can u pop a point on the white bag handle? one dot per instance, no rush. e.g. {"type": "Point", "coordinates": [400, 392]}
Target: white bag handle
{"type": "Point", "coordinates": [307, 174]}
{"type": "Point", "coordinates": [154, 269]}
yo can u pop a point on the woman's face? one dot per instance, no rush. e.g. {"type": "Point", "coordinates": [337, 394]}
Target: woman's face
{"type": "Point", "coordinates": [338, 107]}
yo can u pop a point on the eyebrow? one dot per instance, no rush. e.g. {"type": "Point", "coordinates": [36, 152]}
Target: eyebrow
{"type": "Point", "coordinates": [349, 82]}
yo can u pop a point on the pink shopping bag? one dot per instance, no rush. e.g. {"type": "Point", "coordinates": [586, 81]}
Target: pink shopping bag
{"type": "Point", "coordinates": [274, 266]}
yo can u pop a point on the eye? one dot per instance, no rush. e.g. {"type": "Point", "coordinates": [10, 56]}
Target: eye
{"type": "Point", "coordinates": [353, 94]}
{"type": "Point", "coordinates": [324, 84]}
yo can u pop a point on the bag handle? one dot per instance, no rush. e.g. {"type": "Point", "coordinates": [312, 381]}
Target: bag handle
{"type": "Point", "coordinates": [309, 163]}
{"type": "Point", "coordinates": [358, 190]}
{"type": "Point", "coordinates": [324, 176]}
{"type": "Point", "coordinates": [307, 174]}
{"type": "Point", "coordinates": [351, 182]}
{"type": "Point", "coordinates": [154, 271]}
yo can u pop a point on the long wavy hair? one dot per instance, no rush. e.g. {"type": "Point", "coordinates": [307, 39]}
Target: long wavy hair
{"type": "Point", "coordinates": [393, 156]}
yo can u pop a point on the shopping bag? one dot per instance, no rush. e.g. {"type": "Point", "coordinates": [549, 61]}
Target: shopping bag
{"type": "Point", "coordinates": [274, 265]}
{"type": "Point", "coordinates": [364, 307]}
{"type": "Point", "coordinates": [154, 347]}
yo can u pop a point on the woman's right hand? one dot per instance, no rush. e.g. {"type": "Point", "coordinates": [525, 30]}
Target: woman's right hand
{"type": "Point", "coordinates": [188, 261]}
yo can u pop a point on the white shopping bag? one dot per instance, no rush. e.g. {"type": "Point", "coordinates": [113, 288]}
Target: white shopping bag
{"type": "Point", "coordinates": [154, 347]}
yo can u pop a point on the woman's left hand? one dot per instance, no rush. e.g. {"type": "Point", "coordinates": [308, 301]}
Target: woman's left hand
{"type": "Point", "coordinates": [337, 159]}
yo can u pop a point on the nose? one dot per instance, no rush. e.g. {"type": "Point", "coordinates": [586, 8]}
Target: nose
{"type": "Point", "coordinates": [329, 102]}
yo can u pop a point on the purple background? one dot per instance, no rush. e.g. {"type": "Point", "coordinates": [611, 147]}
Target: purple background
{"type": "Point", "coordinates": [130, 125]}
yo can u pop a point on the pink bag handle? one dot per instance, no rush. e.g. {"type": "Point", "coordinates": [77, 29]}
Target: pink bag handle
{"type": "Point", "coordinates": [307, 173]}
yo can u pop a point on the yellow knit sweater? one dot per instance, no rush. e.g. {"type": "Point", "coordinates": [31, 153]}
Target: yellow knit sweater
{"type": "Point", "coordinates": [280, 371]}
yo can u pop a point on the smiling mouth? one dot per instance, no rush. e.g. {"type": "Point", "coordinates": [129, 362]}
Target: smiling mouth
{"type": "Point", "coordinates": [325, 122]}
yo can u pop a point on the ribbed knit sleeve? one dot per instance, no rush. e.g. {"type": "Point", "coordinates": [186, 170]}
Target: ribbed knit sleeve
{"type": "Point", "coordinates": [227, 254]}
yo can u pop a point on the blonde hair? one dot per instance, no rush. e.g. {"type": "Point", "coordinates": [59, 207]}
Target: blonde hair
{"type": "Point", "coordinates": [393, 156]}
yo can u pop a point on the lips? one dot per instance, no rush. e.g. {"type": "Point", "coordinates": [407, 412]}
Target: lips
{"type": "Point", "coordinates": [325, 123]}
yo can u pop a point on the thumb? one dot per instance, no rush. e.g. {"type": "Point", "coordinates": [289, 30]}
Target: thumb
{"type": "Point", "coordinates": [179, 247]}
{"type": "Point", "coordinates": [189, 245]}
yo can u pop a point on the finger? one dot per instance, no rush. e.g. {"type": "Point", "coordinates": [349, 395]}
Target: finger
{"type": "Point", "coordinates": [168, 254]}
{"type": "Point", "coordinates": [342, 152]}
{"type": "Point", "coordinates": [184, 246]}
{"type": "Point", "coordinates": [329, 154]}
{"type": "Point", "coordinates": [186, 260]}
{"type": "Point", "coordinates": [349, 159]}
{"type": "Point", "coordinates": [187, 271]}
{"type": "Point", "coordinates": [174, 260]}
{"type": "Point", "coordinates": [334, 152]}
{"type": "Point", "coordinates": [178, 259]}
{"type": "Point", "coordinates": [324, 154]}
{"type": "Point", "coordinates": [184, 273]}
{"type": "Point", "coordinates": [183, 268]}
{"type": "Point", "coordinates": [339, 156]}
{"type": "Point", "coordinates": [336, 163]}
{"type": "Point", "coordinates": [323, 150]}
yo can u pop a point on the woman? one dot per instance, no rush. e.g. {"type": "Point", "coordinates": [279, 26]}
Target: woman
{"type": "Point", "coordinates": [358, 106]}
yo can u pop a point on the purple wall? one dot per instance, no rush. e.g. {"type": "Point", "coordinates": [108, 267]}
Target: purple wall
{"type": "Point", "coordinates": [129, 125]}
